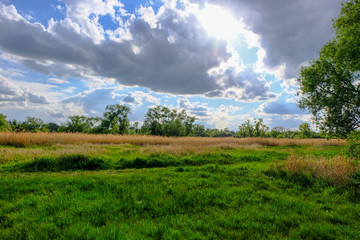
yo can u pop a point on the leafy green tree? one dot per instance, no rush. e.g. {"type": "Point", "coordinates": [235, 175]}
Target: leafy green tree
{"type": "Point", "coordinates": [53, 127]}
{"type": "Point", "coordinates": [168, 122]}
{"type": "Point", "coordinates": [305, 131]}
{"type": "Point", "coordinates": [256, 129]}
{"type": "Point", "coordinates": [199, 130]}
{"type": "Point", "coordinates": [154, 119]}
{"type": "Point", "coordinates": [246, 129]}
{"type": "Point", "coordinates": [4, 124]}
{"type": "Point", "coordinates": [260, 129]}
{"type": "Point", "coordinates": [329, 86]}
{"type": "Point", "coordinates": [77, 123]}
{"type": "Point", "coordinates": [278, 132]}
{"type": "Point", "coordinates": [94, 124]}
{"type": "Point", "coordinates": [16, 126]}
{"type": "Point", "coordinates": [134, 128]}
{"type": "Point", "coordinates": [32, 124]}
{"type": "Point", "coordinates": [116, 119]}
{"type": "Point", "coordinates": [174, 127]}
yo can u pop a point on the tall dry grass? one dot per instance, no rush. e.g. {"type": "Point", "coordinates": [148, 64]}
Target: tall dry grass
{"type": "Point", "coordinates": [338, 169]}
{"type": "Point", "coordinates": [27, 154]}
{"type": "Point", "coordinates": [27, 139]}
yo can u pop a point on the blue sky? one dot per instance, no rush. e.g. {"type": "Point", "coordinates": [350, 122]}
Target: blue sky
{"type": "Point", "coordinates": [222, 61]}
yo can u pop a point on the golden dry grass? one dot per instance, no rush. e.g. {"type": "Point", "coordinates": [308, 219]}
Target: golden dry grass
{"type": "Point", "coordinates": [26, 154]}
{"type": "Point", "coordinates": [337, 169]}
{"type": "Point", "coordinates": [27, 139]}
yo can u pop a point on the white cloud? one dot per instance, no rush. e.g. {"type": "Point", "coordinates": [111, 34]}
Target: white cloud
{"type": "Point", "coordinates": [180, 66]}
{"type": "Point", "coordinates": [290, 32]}
{"type": "Point", "coordinates": [69, 90]}
{"type": "Point", "coordinates": [10, 12]}
{"type": "Point", "coordinates": [57, 80]}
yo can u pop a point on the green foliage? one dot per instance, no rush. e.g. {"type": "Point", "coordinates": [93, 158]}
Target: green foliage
{"type": "Point", "coordinates": [4, 124]}
{"type": "Point", "coordinates": [53, 127]}
{"type": "Point", "coordinates": [305, 130]}
{"type": "Point", "coordinates": [278, 132]}
{"type": "Point", "coordinates": [199, 130]}
{"type": "Point", "coordinates": [256, 129]}
{"type": "Point", "coordinates": [33, 124]}
{"type": "Point", "coordinates": [329, 86]}
{"type": "Point", "coordinates": [134, 128]}
{"type": "Point", "coordinates": [116, 119]}
{"type": "Point", "coordinates": [77, 124]}
{"type": "Point", "coordinates": [168, 122]}
{"type": "Point", "coordinates": [353, 145]}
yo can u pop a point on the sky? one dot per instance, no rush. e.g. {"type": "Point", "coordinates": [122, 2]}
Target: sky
{"type": "Point", "coordinates": [222, 61]}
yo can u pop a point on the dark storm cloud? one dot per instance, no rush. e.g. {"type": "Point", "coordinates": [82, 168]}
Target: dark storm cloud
{"type": "Point", "coordinates": [291, 32]}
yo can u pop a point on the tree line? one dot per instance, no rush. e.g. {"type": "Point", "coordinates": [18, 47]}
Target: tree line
{"type": "Point", "coordinates": [159, 120]}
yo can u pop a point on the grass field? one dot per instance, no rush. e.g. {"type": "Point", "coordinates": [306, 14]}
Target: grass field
{"type": "Point", "coordinates": [78, 186]}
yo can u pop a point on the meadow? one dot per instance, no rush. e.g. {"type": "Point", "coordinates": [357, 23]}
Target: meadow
{"type": "Point", "coordinates": [83, 186]}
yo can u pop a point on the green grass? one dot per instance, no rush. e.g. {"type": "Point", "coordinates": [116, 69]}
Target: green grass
{"type": "Point", "coordinates": [130, 194]}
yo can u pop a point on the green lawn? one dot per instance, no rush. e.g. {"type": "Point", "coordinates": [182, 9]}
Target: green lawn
{"type": "Point", "coordinates": [125, 193]}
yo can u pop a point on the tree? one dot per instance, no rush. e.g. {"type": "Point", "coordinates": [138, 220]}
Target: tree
{"type": "Point", "coordinates": [168, 122]}
{"type": "Point", "coordinates": [154, 119]}
{"type": "Point", "coordinates": [116, 119]}
{"type": "Point", "coordinates": [260, 129]}
{"type": "Point", "coordinates": [16, 126]}
{"type": "Point", "coordinates": [134, 128]}
{"type": "Point", "coordinates": [77, 123]}
{"type": "Point", "coordinates": [4, 124]}
{"type": "Point", "coordinates": [256, 129]}
{"type": "Point", "coordinates": [246, 129]}
{"type": "Point", "coordinates": [305, 131]}
{"type": "Point", "coordinates": [278, 132]}
{"type": "Point", "coordinates": [199, 130]}
{"type": "Point", "coordinates": [329, 86]}
{"type": "Point", "coordinates": [53, 127]}
{"type": "Point", "coordinates": [33, 124]}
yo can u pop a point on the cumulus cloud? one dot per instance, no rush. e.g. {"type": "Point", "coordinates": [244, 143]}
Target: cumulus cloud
{"type": "Point", "coordinates": [199, 110]}
{"type": "Point", "coordinates": [167, 52]}
{"type": "Point", "coordinates": [8, 88]}
{"type": "Point", "coordinates": [224, 116]}
{"type": "Point", "coordinates": [290, 32]}
{"type": "Point", "coordinates": [10, 92]}
{"type": "Point", "coordinates": [35, 98]}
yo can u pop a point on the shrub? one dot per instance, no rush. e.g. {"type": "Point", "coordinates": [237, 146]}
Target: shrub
{"type": "Point", "coordinates": [353, 145]}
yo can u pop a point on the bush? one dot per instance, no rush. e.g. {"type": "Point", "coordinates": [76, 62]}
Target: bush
{"type": "Point", "coordinates": [353, 145]}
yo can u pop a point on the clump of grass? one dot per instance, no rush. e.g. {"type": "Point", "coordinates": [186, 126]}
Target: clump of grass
{"type": "Point", "coordinates": [339, 169]}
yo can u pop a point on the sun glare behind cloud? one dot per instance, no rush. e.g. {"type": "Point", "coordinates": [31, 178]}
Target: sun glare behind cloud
{"type": "Point", "coordinates": [218, 22]}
